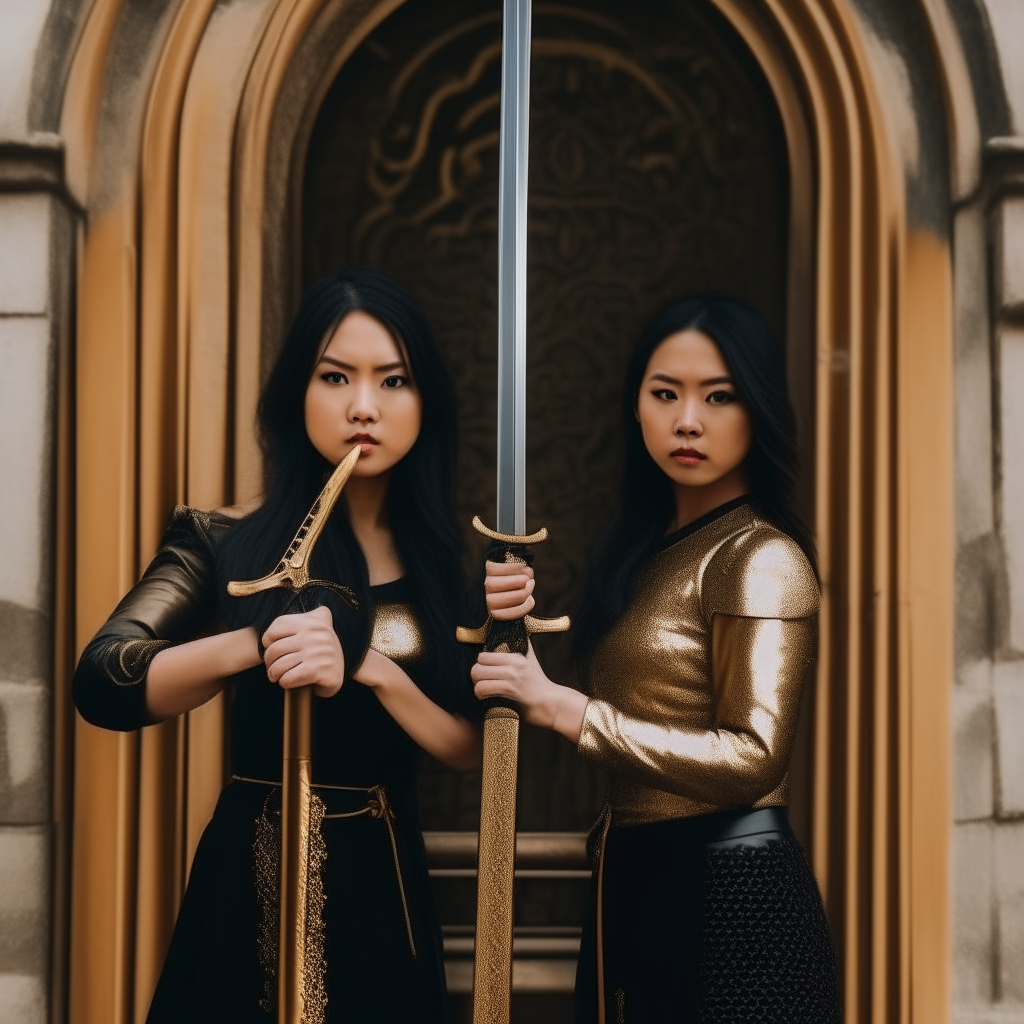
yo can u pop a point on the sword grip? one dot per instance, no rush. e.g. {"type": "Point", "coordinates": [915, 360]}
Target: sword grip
{"type": "Point", "coordinates": [296, 790]}
{"type": "Point", "coordinates": [506, 636]}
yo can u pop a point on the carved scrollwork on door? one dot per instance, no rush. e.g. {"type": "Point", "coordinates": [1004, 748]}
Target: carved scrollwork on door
{"type": "Point", "coordinates": [657, 166]}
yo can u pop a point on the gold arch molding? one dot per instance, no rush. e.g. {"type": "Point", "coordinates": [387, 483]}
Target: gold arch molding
{"type": "Point", "coordinates": [186, 275]}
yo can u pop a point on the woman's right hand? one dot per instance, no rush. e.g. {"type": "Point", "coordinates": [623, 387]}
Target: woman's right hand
{"type": "Point", "coordinates": [509, 589]}
{"type": "Point", "coordinates": [304, 650]}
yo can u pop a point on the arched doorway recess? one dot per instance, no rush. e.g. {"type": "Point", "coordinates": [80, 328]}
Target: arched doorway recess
{"type": "Point", "coordinates": [185, 279]}
{"type": "Point", "coordinates": [655, 168]}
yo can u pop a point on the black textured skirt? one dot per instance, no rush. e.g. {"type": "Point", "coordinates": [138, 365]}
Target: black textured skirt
{"type": "Point", "coordinates": [382, 960]}
{"type": "Point", "coordinates": [715, 919]}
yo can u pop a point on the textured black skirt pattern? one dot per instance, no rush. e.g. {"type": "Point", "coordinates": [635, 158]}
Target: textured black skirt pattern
{"type": "Point", "coordinates": [766, 954]}
{"type": "Point", "coordinates": [708, 920]}
{"type": "Point", "coordinates": [213, 967]}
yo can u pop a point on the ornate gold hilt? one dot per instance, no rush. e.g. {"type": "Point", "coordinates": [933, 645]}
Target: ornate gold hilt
{"type": "Point", "coordinates": [292, 572]}
{"type": "Point", "coordinates": [499, 635]}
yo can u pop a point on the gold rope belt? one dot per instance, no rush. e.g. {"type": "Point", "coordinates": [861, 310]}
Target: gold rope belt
{"type": "Point", "coordinates": [378, 805]}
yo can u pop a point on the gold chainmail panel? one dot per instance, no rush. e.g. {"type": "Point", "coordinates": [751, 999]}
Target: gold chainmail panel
{"type": "Point", "coordinates": [266, 870]}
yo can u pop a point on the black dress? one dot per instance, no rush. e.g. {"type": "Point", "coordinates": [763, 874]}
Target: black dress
{"type": "Point", "coordinates": [381, 953]}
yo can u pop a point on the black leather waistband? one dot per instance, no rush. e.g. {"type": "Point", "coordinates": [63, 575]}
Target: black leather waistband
{"type": "Point", "coordinates": [722, 826]}
{"type": "Point", "coordinates": [740, 824]}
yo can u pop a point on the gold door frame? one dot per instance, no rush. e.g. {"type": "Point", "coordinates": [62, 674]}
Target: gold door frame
{"type": "Point", "coordinates": [185, 272]}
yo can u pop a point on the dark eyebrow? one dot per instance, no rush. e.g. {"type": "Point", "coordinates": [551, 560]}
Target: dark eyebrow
{"type": "Point", "coordinates": [337, 362]}
{"type": "Point", "coordinates": [346, 366]}
{"type": "Point", "coordinates": [704, 383]}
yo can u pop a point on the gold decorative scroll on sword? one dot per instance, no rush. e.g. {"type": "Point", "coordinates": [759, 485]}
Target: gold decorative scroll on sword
{"type": "Point", "coordinates": [297, 1002]}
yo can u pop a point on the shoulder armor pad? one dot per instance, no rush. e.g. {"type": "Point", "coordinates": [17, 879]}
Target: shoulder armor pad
{"type": "Point", "coordinates": [760, 573]}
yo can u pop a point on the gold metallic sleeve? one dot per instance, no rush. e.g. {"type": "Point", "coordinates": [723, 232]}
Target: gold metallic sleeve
{"type": "Point", "coordinates": [742, 754]}
{"type": "Point", "coordinates": [760, 575]}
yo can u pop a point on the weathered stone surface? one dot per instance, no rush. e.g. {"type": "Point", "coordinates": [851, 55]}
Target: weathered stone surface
{"type": "Point", "coordinates": [26, 426]}
{"type": "Point", "coordinates": [1011, 384]}
{"type": "Point", "coordinates": [22, 998]}
{"type": "Point", "coordinates": [1008, 693]}
{"type": "Point", "coordinates": [1009, 269]}
{"type": "Point", "coordinates": [988, 1015]}
{"type": "Point", "coordinates": [25, 253]}
{"type": "Point", "coordinates": [26, 643]}
{"type": "Point", "coordinates": [1007, 20]}
{"type": "Point", "coordinates": [24, 753]}
{"type": "Point", "coordinates": [973, 380]}
{"type": "Point", "coordinates": [973, 922]}
{"type": "Point", "coordinates": [1009, 861]}
{"type": "Point", "coordinates": [22, 25]}
{"type": "Point", "coordinates": [972, 753]}
{"type": "Point", "coordinates": [24, 901]}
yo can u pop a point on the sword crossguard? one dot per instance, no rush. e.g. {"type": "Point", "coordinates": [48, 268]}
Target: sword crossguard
{"type": "Point", "coordinates": [502, 635]}
{"type": "Point", "coordinates": [292, 572]}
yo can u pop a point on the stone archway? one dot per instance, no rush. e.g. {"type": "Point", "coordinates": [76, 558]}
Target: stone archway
{"type": "Point", "coordinates": [188, 128]}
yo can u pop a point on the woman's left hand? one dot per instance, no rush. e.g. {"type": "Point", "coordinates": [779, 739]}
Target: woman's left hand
{"type": "Point", "coordinates": [304, 650]}
{"type": "Point", "coordinates": [520, 677]}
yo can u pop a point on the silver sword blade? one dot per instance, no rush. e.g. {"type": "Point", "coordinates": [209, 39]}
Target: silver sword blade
{"type": "Point", "coordinates": [512, 192]}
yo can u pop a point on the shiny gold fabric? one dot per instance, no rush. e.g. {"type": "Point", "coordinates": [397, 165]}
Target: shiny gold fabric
{"type": "Point", "coordinates": [396, 633]}
{"type": "Point", "coordinates": [696, 688]}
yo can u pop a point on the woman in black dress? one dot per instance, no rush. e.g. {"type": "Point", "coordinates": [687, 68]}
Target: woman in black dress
{"type": "Point", "coordinates": [698, 629]}
{"type": "Point", "coordinates": [359, 367]}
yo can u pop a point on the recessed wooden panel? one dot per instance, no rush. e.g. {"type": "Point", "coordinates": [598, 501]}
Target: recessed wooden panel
{"type": "Point", "coordinates": [657, 167]}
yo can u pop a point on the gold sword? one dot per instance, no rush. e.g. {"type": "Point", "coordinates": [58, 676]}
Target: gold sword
{"type": "Point", "coordinates": [292, 573]}
{"type": "Point", "coordinates": [496, 857]}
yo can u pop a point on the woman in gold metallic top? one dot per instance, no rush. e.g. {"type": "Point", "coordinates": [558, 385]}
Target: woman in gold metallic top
{"type": "Point", "coordinates": [697, 633]}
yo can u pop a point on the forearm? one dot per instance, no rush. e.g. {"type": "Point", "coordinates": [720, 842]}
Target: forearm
{"type": "Point", "coordinates": [183, 677]}
{"type": "Point", "coordinates": [723, 765]}
{"type": "Point", "coordinates": [561, 709]}
{"type": "Point", "coordinates": [452, 740]}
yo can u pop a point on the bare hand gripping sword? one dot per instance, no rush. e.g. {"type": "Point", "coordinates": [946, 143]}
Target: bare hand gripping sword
{"type": "Point", "coordinates": [292, 573]}
{"type": "Point", "coordinates": [492, 973]}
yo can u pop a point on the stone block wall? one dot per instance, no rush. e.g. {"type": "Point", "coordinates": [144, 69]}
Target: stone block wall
{"type": "Point", "coordinates": [988, 699]}
{"type": "Point", "coordinates": [35, 252]}
{"type": "Point", "coordinates": [37, 248]}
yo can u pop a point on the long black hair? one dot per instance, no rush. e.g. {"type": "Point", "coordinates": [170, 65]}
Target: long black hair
{"type": "Point", "coordinates": [647, 504]}
{"type": "Point", "coordinates": [420, 506]}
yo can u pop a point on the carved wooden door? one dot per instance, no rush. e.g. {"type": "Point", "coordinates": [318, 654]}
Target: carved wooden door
{"type": "Point", "coordinates": [657, 166]}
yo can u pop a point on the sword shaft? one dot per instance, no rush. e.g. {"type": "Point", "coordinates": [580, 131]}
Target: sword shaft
{"type": "Point", "coordinates": [492, 974]}
{"type": "Point", "coordinates": [495, 901]}
{"type": "Point", "coordinates": [296, 790]}
{"type": "Point", "coordinates": [513, 180]}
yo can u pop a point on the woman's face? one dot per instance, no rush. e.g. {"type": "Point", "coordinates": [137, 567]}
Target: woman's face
{"type": "Point", "coordinates": [694, 426]}
{"type": "Point", "coordinates": [362, 393]}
